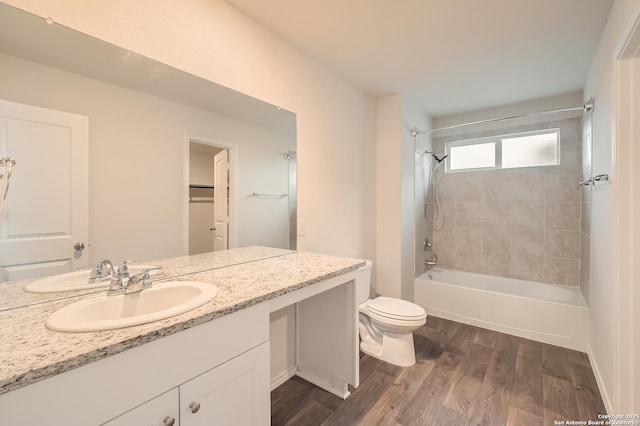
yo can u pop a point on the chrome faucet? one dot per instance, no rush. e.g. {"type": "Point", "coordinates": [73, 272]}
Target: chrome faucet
{"type": "Point", "coordinates": [138, 282]}
{"type": "Point", "coordinates": [102, 271]}
{"type": "Point", "coordinates": [135, 283]}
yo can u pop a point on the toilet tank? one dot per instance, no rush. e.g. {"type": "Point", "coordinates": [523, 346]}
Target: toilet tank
{"type": "Point", "coordinates": [363, 283]}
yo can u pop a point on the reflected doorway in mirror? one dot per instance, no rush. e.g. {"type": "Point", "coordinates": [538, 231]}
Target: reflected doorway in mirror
{"type": "Point", "coordinates": [211, 177]}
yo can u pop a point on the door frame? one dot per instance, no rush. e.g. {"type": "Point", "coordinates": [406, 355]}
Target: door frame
{"type": "Point", "coordinates": [627, 226]}
{"type": "Point", "coordinates": [234, 179]}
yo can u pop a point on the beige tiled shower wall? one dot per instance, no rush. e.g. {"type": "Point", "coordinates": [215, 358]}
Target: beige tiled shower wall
{"type": "Point", "coordinates": [520, 223]}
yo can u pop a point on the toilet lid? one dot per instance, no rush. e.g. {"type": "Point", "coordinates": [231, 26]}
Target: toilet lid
{"type": "Point", "coordinates": [396, 308]}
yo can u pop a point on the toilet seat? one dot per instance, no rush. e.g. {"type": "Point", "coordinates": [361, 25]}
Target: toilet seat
{"type": "Point", "coordinates": [396, 309]}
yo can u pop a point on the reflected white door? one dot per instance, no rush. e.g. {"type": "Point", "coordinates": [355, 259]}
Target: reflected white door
{"type": "Point", "coordinates": [221, 203]}
{"type": "Point", "coordinates": [47, 205]}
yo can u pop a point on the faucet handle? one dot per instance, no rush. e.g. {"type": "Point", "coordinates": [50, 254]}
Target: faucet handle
{"type": "Point", "coordinates": [96, 271]}
{"type": "Point", "coordinates": [123, 269]}
{"type": "Point", "coordinates": [146, 278]}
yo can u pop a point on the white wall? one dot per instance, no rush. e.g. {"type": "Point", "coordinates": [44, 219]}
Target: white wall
{"type": "Point", "coordinates": [604, 353]}
{"type": "Point", "coordinates": [137, 162]}
{"type": "Point", "coordinates": [395, 205]}
{"type": "Point", "coordinates": [208, 38]}
{"type": "Point", "coordinates": [389, 197]}
{"type": "Point", "coordinates": [201, 164]}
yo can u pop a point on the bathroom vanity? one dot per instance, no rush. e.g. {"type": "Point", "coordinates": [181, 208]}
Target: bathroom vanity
{"type": "Point", "coordinates": [207, 366]}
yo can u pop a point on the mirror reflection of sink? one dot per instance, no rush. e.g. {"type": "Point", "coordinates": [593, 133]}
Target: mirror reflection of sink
{"type": "Point", "coordinates": [161, 301]}
{"type": "Point", "coordinates": [78, 280]}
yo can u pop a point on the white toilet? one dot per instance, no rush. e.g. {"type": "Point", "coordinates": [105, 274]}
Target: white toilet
{"type": "Point", "coordinates": [387, 324]}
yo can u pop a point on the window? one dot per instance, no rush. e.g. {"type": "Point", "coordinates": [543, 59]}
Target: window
{"type": "Point", "coordinates": [474, 156]}
{"type": "Point", "coordinates": [541, 148]}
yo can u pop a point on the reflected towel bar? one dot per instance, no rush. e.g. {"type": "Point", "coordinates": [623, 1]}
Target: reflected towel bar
{"type": "Point", "coordinates": [257, 194]}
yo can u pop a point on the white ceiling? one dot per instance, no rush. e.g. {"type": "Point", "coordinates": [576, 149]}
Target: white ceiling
{"type": "Point", "coordinates": [450, 56]}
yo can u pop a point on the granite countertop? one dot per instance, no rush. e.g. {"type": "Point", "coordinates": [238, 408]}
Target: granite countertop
{"type": "Point", "coordinates": [12, 295]}
{"type": "Point", "coordinates": [31, 352]}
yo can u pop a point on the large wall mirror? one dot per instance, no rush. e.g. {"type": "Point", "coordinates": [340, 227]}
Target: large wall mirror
{"type": "Point", "coordinates": [142, 121]}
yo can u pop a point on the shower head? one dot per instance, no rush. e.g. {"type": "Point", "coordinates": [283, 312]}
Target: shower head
{"type": "Point", "coordinates": [435, 157]}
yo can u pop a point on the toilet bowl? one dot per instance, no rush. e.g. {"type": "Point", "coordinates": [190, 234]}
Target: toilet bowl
{"type": "Point", "coordinates": [387, 324]}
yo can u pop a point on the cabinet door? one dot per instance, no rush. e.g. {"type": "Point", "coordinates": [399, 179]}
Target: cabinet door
{"type": "Point", "coordinates": [160, 411]}
{"type": "Point", "coordinates": [235, 393]}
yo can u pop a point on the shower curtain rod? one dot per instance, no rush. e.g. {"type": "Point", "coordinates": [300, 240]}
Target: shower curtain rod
{"type": "Point", "coordinates": [587, 107]}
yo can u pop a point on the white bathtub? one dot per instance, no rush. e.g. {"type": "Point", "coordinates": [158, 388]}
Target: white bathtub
{"type": "Point", "coordinates": [543, 312]}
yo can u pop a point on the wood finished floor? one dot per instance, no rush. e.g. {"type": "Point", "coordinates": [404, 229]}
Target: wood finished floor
{"type": "Point", "coordinates": [464, 375]}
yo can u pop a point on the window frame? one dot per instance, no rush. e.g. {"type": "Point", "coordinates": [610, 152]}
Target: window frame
{"type": "Point", "coordinates": [497, 139]}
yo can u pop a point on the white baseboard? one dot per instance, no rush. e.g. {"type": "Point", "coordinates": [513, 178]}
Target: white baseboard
{"type": "Point", "coordinates": [606, 399]}
{"type": "Point", "coordinates": [341, 391]}
{"type": "Point", "coordinates": [282, 377]}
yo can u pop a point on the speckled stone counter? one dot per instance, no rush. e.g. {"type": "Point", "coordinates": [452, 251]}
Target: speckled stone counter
{"type": "Point", "coordinates": [12, 295]}
{"type": "Point", "coordinates": [30, 352]}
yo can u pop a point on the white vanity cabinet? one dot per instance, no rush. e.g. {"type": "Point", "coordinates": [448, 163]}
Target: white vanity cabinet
{"type": "Point", "coordinates": [221, 364]}
{"type": "Point", "coordinates": [216, 357]}
{"type": "Point", "coordinates": [231, 394]}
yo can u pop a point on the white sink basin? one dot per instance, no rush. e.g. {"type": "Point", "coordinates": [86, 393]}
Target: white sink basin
{"type": "Point", "coordinates": [78, 280]}
{"type": "Point", "coordinates": [161, 301]}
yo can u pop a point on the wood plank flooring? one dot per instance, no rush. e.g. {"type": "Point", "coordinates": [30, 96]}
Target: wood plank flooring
{"type": "Point", "coordinates": [465, 375]}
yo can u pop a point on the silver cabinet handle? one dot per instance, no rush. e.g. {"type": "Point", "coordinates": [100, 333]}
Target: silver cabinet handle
{"type": "Point", "coordinates": [194, 407]}
{"type": "Point", "coordinates": [169, 421]}
{"type": "Point", "coordinates": [78, 246]}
